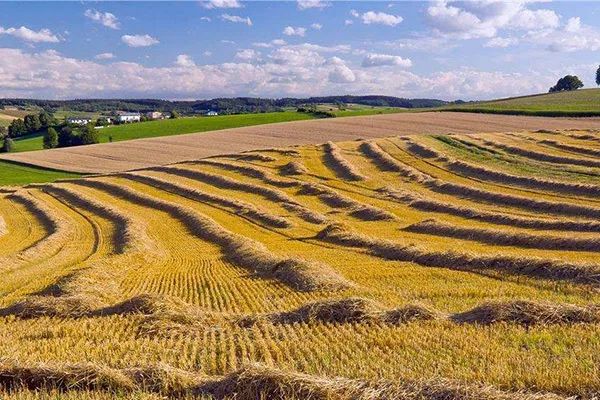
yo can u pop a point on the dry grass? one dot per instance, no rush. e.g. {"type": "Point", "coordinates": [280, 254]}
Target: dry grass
{"type": "Point", "coordinates": [484, 173]}
{"type": "Point", "coordinates": [430, 205]}
{"type": "Point", "coordinates": [240, 207]}
{"type": "Point", "coordinates": [503, 238]}
{"type": "Point", "coordinates": [362, 309]}
{"type": "Point", "coordinates": [335, 160]}
{"type": "Point", "coordinates": [587, 151]}
{"type": "Point", "coordinates": [528, 266]}
{"type": "Point", "coordinates": [293, 168]}
{"type": "Point", "coordinates": [249, 254]}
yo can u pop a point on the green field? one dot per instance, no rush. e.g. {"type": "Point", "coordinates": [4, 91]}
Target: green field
{"type": "Point", "coordinates": [585, 102]}
{"type": "Point", "coordinates": [19, 174]}
{"type": "Point", "coordinates": [195, 124]}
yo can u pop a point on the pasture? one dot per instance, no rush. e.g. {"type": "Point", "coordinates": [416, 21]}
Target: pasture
{"type": "Point", "coordinates": [442, 266]}
{"type": "Point", "coordinates": [578, 103]}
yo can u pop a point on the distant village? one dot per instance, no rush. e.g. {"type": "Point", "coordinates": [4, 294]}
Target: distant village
{"type": "Point", "coordinates": [125, 117]}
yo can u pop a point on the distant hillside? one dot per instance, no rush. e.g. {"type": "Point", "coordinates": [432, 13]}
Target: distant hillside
{"type": "Point", "coordinates": [222, 105]}
{"type": "Point", "coordinates": [578, 103]}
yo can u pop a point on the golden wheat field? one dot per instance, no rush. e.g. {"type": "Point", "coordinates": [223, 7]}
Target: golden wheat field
{"type": "Point", "coordinates": [410, 267]}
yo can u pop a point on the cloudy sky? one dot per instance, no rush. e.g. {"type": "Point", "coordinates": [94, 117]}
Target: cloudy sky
{"type": "Point", "coordinates": [192, 50]}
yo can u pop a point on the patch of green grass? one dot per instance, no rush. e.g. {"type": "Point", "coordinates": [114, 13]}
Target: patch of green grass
{"type": "Point", "coordinates": [12, 173]}
{"type": "Point", "coordinates": [174, 127]}
{"type": "Point", "coordinates": [582, 103]}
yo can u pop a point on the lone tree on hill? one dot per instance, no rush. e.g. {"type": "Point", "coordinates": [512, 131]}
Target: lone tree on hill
{"type": "Point", "coordinates": [568, 82]}
{"type": "Point", "coordinates": [598, 76]}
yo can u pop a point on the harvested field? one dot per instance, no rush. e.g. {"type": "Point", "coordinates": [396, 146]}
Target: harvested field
{"type": "Point", "coordinates": [373, 269]}
{"type": "Point", "coordinates": [141, 153]}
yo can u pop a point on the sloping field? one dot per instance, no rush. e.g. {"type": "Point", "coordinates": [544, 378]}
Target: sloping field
{"type": "Point", "coordinates": [142, 153]}
{"type": "Point", "coordinates": [408, 267]}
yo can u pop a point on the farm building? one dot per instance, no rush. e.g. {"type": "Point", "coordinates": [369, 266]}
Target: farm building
{"type": "Point", "coordinates": [154, 115]}
{"type": "Point", "coordinates": [125, 117]}
{"type": "Point", "coordinates": [78, 120]}
{"type": "Point", "coordinates": [212, 113]}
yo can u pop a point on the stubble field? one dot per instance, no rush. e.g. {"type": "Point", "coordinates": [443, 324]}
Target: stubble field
{"type": "Point", "coordinates": [414, 267]}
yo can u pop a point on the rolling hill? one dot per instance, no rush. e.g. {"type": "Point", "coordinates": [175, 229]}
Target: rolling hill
{"type": "Point", "coordinates": [578, 103]}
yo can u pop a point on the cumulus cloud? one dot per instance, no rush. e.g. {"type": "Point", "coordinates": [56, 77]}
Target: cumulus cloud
{"type": "Point", "coordinates": [574, 36]}
{"type": "Point", "coordinates": [316, 26]}
{"type": "Point", "coordinates": [372, 17]}
{"type": "Point", "coordinates": [104, 56]}
{"type": "Point", "coordinates": [294, 31]}
{"type": "Point", "coordinates": [139, 40]}
{"type": "Point", "coordinates": [348, 22]}
{"type": "Point", "coordinates": [483, 18]}
{"type": "Point", "coordinates": [210, 4]}
{"type": "Point", "coordinates": [105, 18]}
{"type": "Point", "coordinates": [184, 60]}
{"type": "Point", "coordinates": [29, 35]}
{"type": "Point", "coordinates": [285, 71]}
{"type": "Point", "coordinates": [247, 55]}
{"type": "Point", "coordinates": [306, 4]}
{"type": "Point", "coordinates": [205, 19]}
{"type": "Point", "coordinates": [268, 45]}
{"type": "Point", "coordinates": [379, 60]}
{"type": "Point", "coordinates": [236, 19]}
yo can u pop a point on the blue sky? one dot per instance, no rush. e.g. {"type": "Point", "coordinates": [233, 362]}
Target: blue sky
{"type": "Point", "coordinates": [191, 50]}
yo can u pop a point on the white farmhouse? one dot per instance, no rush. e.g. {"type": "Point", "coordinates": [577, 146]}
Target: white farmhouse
{"type": "Point", "coordinates": [78, 120]}
{"type": "Point", "coordinates": [212, 113]}
{"type": "Point", "coordinates": [125, 117]}
{"type": "Point", "coordinates": [154, 115]}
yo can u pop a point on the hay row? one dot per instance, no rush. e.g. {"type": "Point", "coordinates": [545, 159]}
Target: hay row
{"type": "Point", "coordinates": [240, 207]}
{"type": "Point", "coordinates": [228, 183]}
{"type": "Point", "coordinates": [294, 272]}
{"type": "Point", "coordinates": [472, 193]}
{"type": "Point", "coordinates": [3, 226]}
{"type": "Point", "coordinates": [429, 205]}
{"type": "Point", "coordinates": [250, 171]}
{"type": "Point", "coordinates": [584, 137]}
{"type": "Point", "coordinates": [130, 234]}
{"type": "Point", "coordinates": [293, 168]}
{"type": "Point", "coordinates": [534, 155]}
{"type": "Point", "coordinates": [360, 310]}
{"type": "Point", "coordinates": [334, 199]}
{"type": "Point", "coordinates": [575, 149]}
{"type": "Point", "coordinates": [57, 226]}
{"type": "Point", "coordinates": [483, 173]}
{"type": "Point", "coordinates": [527, 266]}
{"type": "Point", "coordinates": [421, 150]}
{"type": "Point", "coordinates": [334, 159]}
{"type": "Point", "coordinates": [501, 238]}
{"type": "Point", "coordinates": [385, 162]}
{"type": "Point", "coordinates": [250, 382]}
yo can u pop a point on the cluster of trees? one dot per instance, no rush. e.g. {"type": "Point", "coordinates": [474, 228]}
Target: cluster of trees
{"type": "Point", "coordinates": [566, 83]}
{"type": "Point", "coordinates": [55, 134]}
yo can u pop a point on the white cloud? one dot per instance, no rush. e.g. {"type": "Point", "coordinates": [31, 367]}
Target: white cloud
{"type": "Point", "coordinates": [104, 56]}
{"type": "Point", "coordinates": [247, 55]}
{"type": "Point", "coordinates": [501, 42]}
{"type": "Point", "coordinates": [107, 19]}
{"type": "Point", "coordinates": [354, 13]}
{"type": "Point", "coordinates": [236, 19]}
{"type": "Point", "coordinates": [139, 40]}
{"type": "Point", "coordinates": [294, 31]}
{"type": "Point", "coordinates": [225, 41]}
{"type": "Point", "coordinates": [483, 18]}
{"type": "Point", "coordinates": [272, 43]}
{"type": "Point", "coordinates": [573, 24]}
{"type": "Point", "coordinates": [207, 53]}
{"type": "Point", "coordinates": [29, 35]}
{"type": "Point", "coordinates": [210, 4]}
{"type": "Point", "coordinates": [206, 19]}
{"type": "Point", "coordinates": [378, 60]}
{"type": "Point", "coordinates": [348, 22]}
{"type": "Point", "coordinates": [306, 4]}
{"type": "Point", "coordinates": [297, 71]}
{"type": "Point", "coordinates": [316, 26]}
{"type": "Point", "coordinates": [372, 17]}
{"type": "Point", "coordinates": [184, 60]}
